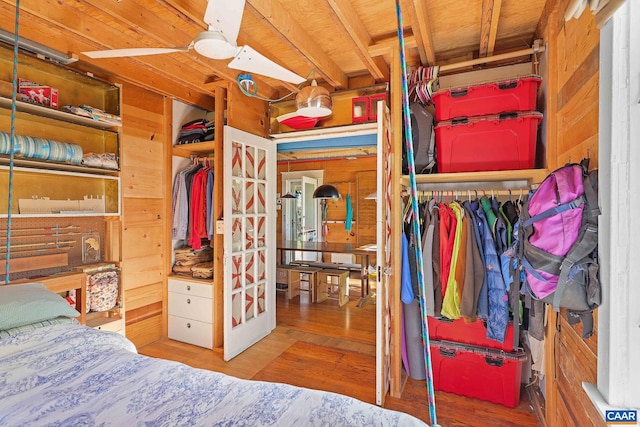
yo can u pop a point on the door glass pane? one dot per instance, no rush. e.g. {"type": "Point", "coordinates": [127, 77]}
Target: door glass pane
{"type": "Point", "coordinates": [260, 201]}
{"type": "Point", "coordinates": [236, 235]}
{"type": "Point", "coordinates": [250, 163]}
{"type": "Point", "coordinates": [261, 163]}
{"type": "Point", "coordinates": [251, 200]}
{"type": "Point", "coordinates": [236, 272]}
{"type": "Point", "coordinates": [260, 265]}
{"type": "Point", "coordinates": [261, 300]}
{"type": "Point", "coordinates": [236, 309]}
{"type": "Point", "coordinates": [236, 159]}
{"type": "Point", "coordinates": [249, 308]}
{"type": "Point", "coordinates": [249, 234]}
{"type": "Point", "coordinates": [236, 196]}
{"type": "Point", "coordinates": [262, 229]}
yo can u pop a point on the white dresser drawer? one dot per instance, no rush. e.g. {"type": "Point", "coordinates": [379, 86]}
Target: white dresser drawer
{"type": "Point", "coordinates": [204, 290]}
{"type": "Point", "coordinates": [191, 307]}
{"type": "Point", "coordinates": [191, 331]}
{"type": "Point", "coordinates": [115, 326]}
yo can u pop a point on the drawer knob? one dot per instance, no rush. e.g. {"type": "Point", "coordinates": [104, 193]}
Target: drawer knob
{"type": "Point", "coordinates": [188, 287]}
{"type": "Point", "coordinates": [188, 325]}
{"type": "Point", "coordinates": [188, 301]}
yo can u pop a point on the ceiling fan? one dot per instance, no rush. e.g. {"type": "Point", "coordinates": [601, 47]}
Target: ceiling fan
{"type": "Point", "coordinates": [219, 42]}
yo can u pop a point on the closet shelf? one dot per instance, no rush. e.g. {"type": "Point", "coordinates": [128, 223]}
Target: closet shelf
{"type": "Point", "coordinates": [528, 176]}
{"type": "Point", "coordinates": [59, 166]}
{"type": "Point", "coordinates": [194, 149]}
{"type": "Point", "coordinates": [42, 111]}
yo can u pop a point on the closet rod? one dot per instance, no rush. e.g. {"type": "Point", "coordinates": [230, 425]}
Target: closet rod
{"type": "Point", "coordinates": [465, 193]}
{"type": "Point", "coordinates": [537, 47]}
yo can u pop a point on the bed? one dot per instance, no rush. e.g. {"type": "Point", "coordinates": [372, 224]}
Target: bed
{"type": "Point", "coordinates": [55, 371]}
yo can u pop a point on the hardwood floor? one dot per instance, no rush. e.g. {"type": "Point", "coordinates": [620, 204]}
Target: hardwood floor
{"type": "Point", "coordinates": [332, 348]}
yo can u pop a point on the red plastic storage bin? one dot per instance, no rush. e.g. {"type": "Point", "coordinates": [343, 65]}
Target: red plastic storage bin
{"type": "Point", "coordinates": [480, 373]}
{"type": "Point", "coordinates": [518, 94]}
{"type": "Point", "coordinates": [487, 143]}
{"type": "Point", "coordinates": [475, 333]}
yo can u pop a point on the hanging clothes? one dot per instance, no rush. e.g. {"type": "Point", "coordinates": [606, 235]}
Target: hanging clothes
{"type": "Point", "coordinates": [482, 227]}
{"type": "Point", "coordinates": [437, 280]}
{"type": "Point", "coordinates": [447, 236]}
{"type": "Point", "coordinates": [180, 201]}
{"type": "Point", "coordinates": [451, 301]}
{"type": "Point", "coordinates": [500, 234]}
{"type": "Point", "coordinates": [349, 214]}
{"type": "Point", "coordinates": [210, 213]}
{"type": "Point", "coordinates": [427, 259]}
{"type": "Point", "coordinates": [474, 278]}
{"type": "Point", "coordinates": [498, 317]}
{"type": "Point", "coordinates": [198, 209]}
{"type": "Point", "coordinates": [406, 288]}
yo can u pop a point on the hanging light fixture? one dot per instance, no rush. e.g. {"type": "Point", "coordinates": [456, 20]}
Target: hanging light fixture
{"type": "Point", "coordinates": [326, 191]}
{"type": "Point", "coordinates": [288, 195]}
{"type": "Point", "coordinates": [313, 101]}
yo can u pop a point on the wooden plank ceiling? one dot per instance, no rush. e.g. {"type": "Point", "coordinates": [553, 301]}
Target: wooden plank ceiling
{"type": "Point", "coordinates": [345, 44]}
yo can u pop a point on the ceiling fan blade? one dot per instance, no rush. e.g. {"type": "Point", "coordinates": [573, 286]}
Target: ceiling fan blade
{"type": "Point", "coordinates": [140, 51]}
{"type": "Point", "coordinates": [251, 61]}
{"type": "Point", "coordinates": [225, 16]}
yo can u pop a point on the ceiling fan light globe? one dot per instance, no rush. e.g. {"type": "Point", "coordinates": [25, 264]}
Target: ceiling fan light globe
{"type": "Point", "coordinates": [313, 101]}
{"type": "Point", "coordinates": [212, 44]}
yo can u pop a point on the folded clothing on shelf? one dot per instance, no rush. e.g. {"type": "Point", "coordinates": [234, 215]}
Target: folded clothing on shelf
{"type": "Point", "coordinates": [93, 113]}
{"type": "Point", "coordinates": [104, 160]}
{"type": "Point", "coordinates": [198, 130]}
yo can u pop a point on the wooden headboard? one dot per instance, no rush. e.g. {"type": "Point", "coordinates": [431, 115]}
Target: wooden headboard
{"type": "Point", "coordinates": [66, 282]}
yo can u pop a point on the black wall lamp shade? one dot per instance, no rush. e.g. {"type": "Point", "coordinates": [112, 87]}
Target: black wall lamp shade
{"type": "Point", "coordinates": [326, 191]}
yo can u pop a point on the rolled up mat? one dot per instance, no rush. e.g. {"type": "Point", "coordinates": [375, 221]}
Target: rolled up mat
{"type": "Point", "coordinates": [413, 337]}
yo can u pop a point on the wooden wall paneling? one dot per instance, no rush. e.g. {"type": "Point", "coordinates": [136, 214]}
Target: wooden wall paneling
{"type": "Point", "coordinates": [365, 209]}
{"type": "Point", "coordinates": [577, 40]}
{"type": "Point", "coordinates": [143, 210]}
{"type": "Point", "coordinates": [142, 271]}
{"type": "Point", "coordinates": [571, 117]}
{"type": "Point", "coordinates": [146, 330]}
{"type": "Point", "coordinates": [143, 296]}
{"type": "Point", "coordinates": [113, 240]}
{"type": "Point", "coordinates": [142, 240]}
{"type": "Point", "coordinates": [245, 113]}
{"type": "Point", "coordinates": [143, 231]}
{"type": "Point", "coordinates": [141, 182]}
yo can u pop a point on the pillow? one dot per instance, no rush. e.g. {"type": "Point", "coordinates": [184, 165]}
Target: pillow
{"type": "Point", "coordinates": [30, 303]}
{"type": "Point", "coordinates": [6, 333]}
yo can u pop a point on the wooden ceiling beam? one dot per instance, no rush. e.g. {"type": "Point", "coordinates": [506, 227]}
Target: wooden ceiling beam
{"type": "Point", "coordinates": [293, 34]}
{"type": "Point", "coordinates": [425, 39]}
{"type": "Point", "coordinates": [356, 31]}
{"type": "Point", "coordinates": [385, 46]}
{"type": "Point", "coordinates": [489, 26]}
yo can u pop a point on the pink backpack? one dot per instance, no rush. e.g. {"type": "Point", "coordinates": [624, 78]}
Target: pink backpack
{"type": "Point", "coordinates": [558, 238]}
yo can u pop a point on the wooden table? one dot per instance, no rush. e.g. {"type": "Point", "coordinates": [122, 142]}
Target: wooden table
{"type": "Point", "coordinates": [363, 252]}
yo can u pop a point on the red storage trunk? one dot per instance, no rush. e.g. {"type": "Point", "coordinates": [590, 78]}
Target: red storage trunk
{"type": "Point", "coordinates": [468, 333]}
{"type": "Point", "coordinates": [518, 94]}
{"type": "Point", "coordinates": [488, 143]}
{"type": "Point", "coordinates": [481, 373]}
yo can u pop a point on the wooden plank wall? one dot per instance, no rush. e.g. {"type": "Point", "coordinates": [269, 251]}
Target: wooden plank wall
{"type": "Point", "coordinates": [344, 175]}
{"type": "Point", "coordinates": [571, 112]}
{"type": "Point", "coordinates": [143, 232]}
